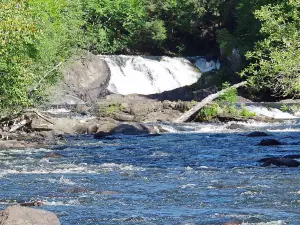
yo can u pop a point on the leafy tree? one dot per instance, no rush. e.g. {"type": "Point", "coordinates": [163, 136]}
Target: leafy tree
{"type": "Point", "coordinates": [181, 20]}
{"type": "Point", "coordinates": [274, 62]}
{"type": "Point", "coordinates": [242, 31]}
{"type": "Point", "coordinates": [18, 34]}
{"type": "Point", "coordinates": [112, 26]}
{"type": "Point", "coordinates": [34, 37]}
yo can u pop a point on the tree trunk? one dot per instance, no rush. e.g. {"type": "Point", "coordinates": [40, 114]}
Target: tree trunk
{"type": "Point", "coordinates": [185, 116]}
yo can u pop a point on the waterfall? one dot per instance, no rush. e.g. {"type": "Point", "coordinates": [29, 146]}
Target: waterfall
{"type": "Point", "coordinates": [154, 74]}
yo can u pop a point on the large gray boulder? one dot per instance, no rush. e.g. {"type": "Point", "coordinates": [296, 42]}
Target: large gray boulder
{"type": "Point", "coordinates": [85, 80]}
{"type": "Point", "coordinates": [18, 215]}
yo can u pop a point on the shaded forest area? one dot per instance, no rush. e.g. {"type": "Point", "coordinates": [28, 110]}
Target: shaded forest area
{"type": "Point", "coordinates": [37, 37]}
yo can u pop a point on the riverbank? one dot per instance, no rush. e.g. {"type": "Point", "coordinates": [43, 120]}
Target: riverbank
{"type": "Point", "coordinates": [114, 114]}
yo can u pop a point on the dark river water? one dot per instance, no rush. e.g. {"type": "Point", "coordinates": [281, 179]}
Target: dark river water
{"type": "Point", "coordinates": [199, 174]}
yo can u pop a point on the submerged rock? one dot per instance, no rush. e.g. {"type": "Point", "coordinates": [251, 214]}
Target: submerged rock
{"type": "Point", "coordinates": [75, 190]}
{"type": "Point", "coordinates": [109, 193]}
{"type": "Point", "coordinates": [18, 215]}
{"type": "Point", "coordinates": [257, 134]}
{"type": "Point", "coordinates": [269, 142]}
{"type": "Point", "coordinates": [53, 155]}
{"type": "Point", "coordinates": [35, 203]}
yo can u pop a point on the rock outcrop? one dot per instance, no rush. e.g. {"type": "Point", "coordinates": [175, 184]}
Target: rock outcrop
{"type": "Point", "coordinates": [85, 80]}
{"type": "Point", "coordinates": [18, 215]}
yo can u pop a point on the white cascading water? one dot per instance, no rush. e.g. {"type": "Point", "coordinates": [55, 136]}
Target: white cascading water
{"type": "Point", "coordinates": [270, 112]}
{"type": "Point", "coordinates": [150, 75]}
{"type": "Point", "coordinates": [205, 66]}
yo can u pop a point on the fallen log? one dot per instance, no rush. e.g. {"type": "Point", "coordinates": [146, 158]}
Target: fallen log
{"type": "Point", "coordinates": [187, 115]}
{"type": "Point", "coordinates": [18, 126]}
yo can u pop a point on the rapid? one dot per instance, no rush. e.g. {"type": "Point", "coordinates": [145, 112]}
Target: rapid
{"type": "Point", "coordinates": [204, 174]}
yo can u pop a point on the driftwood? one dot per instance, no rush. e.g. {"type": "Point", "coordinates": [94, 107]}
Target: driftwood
{"type": "Point", "coordinates": [22, 121]}
{"type": "Point", "coordinates": [187, 115]}
{"type": "Point", "coordinates": [42, 116]}
{"type": "Point", "coordinates": [18, 125]}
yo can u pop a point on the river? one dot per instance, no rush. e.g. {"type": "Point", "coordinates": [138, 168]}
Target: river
{"type": "Point", "coordinates": [196, 174]}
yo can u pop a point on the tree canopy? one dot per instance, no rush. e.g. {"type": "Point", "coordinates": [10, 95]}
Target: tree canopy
{"type": "Point", "coordinates": [36, 37]}
{"type": "Point", "coordinates": [275, 60]}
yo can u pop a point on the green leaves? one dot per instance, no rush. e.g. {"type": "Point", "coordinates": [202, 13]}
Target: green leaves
{"type": "Point", "coordinates": [275, 60]}
{"type": "Point", "coordinates": [111, 26]}
{"type": "Point", "coordinates": [34, 36]}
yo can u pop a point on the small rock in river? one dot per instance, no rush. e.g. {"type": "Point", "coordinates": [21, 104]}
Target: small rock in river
{"type": "Point", "coordinates": [53, 155]}
{"type": "Point", "coordinates": [76, 190]}
{"type": "Point", "coordinates": [35, 203]}
{"type": "Point", "coordinates": [269, 142]}
{"type": "Point", "coordinates": [257, 134]}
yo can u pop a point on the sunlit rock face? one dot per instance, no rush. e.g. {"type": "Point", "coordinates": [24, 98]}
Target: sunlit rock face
{"type": "Point", "coordinates": [155, 74]}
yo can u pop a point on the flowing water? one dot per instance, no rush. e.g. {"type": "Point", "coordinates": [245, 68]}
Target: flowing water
{"type": "Point", "coordinates": [153, 74]}
{"type": "Point", "coordinates": [197, 174]}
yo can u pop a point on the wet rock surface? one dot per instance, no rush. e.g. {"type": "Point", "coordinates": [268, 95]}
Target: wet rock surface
{"type": "Point", "coordinates": [128, 129]}
{"type": "Point", "coordinates": [269, 142]}
{"type": "Point", "coordinates": [257, 134]}
{"type": "Point", "coordinates": [279, 161]}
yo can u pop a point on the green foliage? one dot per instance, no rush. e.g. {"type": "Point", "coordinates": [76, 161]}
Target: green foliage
{"type": "Point", "coordinates": [18, 34]}
{"type": "Point", "coordinates": [291, 109]}
{"type": "Point", "coordinates": [284, 108]}
{"type": "Point", "coordinates": [112, 26]}
{"type": "Point", "coordinates": [223, 105]}
{"type": "Point", "coordinates": [35, 36]}
{"type": "Point", "coordinates": [246, 113]}
{"type": "Point", "coordinates": [229, 97]}
{"type": "Point", "coordinates": [109, 109]}
{"type": "Point", "coordinates": [207, 112]}
{"type": "Point", "coordinates": [226, 41]}
{"type": "Point", "coordinates": [246, 30]}
{"type": "Point", "coordinates": [274, 62]}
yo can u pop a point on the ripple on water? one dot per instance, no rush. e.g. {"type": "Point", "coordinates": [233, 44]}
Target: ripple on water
{"type": "Point", "coordinates": [180, 178]}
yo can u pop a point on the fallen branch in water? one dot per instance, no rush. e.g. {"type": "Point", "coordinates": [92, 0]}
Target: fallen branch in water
{"type": "Point", "coordinates": [187, 115]}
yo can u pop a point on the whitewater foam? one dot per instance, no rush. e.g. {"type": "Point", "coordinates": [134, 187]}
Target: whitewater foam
{"type": "Point", "coordinates": [270, 112]}
{"type": "Point", "coordinates": [150, 75]}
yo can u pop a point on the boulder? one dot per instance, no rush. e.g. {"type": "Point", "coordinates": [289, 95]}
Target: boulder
{"type": "Point", "coordinates": [127, 129]}
{"type": "Point", "coordinates": [269, 142]}
{"type": "Point", "coordinates": [85, 80]}
{"type": "Point", "coordinates": [133, 129]}
{"type": "Point", "coordinates": [87, 128]}
{"type": "Point", "coordinates": [18, 215]}
{"type": "Point", "coordinates": [257, 134]}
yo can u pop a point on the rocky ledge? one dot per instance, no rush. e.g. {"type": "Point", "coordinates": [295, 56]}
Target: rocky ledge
{"type": "Point", "coordinates": [114, 114]}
